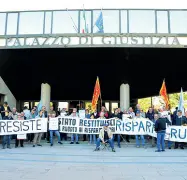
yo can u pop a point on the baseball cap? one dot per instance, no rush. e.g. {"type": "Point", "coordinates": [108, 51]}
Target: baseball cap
{"type": "Point", "coordinates": [106, 125]}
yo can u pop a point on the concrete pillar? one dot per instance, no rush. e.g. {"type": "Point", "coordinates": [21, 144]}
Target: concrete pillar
{"type": "Point", "coordinates": [124, 97]}
{"type": "Point", "coordinates": [46, 95]}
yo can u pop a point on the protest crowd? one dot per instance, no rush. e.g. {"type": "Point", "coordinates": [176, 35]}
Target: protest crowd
{"type": "Point", "coordinates": [160, 119]}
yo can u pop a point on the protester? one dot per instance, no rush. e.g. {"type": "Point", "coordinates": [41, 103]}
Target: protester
{"type": "Point", "coordinates": [160, 128]}
{"type": "Point", "coordinates": [74, 114]}
{"type": "Point", "coordinates": [56, 132]}
{"type": "Point", "coordinates": [105, 136]}
{"type": "Point", "coordinates": [7, 138]}
{"type": "Point", "coordinates": [19, 141]}
{"type": "Point", "coordinates": [141, 136]}
{"type": "Point", "coordinates": [30, 136]}
{"type": "Point", "coordinates": [117, 115]}
{"type": "Point", "coordinates": [180, 121]}
{"type": "Point", "coordinates": [38, 136]}
{"type": "Point", "coordinates": [5, 109]}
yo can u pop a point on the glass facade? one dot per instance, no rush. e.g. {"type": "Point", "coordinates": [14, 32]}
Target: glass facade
{"type": "Point", "coordinates": [76, 21]}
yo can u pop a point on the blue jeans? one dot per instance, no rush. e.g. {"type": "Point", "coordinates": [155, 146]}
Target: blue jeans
{"type": "Point", "coordinates": [170, 144]}
{"type": "Point", "coordinates": [110, 141]}
{"type": "Point", "coordinates": [56, 133]}
{"type": "Point", "coordinates": [6, 140]}
{"type": "Point", "coordinates": [137, 140]}
{"type": "Point", "coordinates": [76, 137]}
{"type": "Point", "coordinates": [118, 138]}
{"type": "Point", "coordinates": [92, 138]}
{"type": "Point", "coordinates": [160, 140]}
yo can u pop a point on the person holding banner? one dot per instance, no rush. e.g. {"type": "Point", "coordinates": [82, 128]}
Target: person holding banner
{"type": "Point", "coordinates": [117, 115]}
{"type": "Point", "coordinates": [180, 121]}
{"type": "Point", "coordinates": [7, 138]}
{"type": "Point", "coordinates": [51, 131]}
{"type": "Point", "coordinates": [160, 129]}
{"type": "Point", "coordinates": [138, 117]}
{"type": "Point", "coordinates": [38, 136]}
{"type": "Point", "coordinates": [19, 141]}
{"type": "Point", "coordinates": [74, 114]}
{"type": "Point", "coordinates": [105, 136]}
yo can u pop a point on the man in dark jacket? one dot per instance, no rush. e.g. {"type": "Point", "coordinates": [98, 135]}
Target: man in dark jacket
{"type": "Point", "coordinates": [7, 138]}
{"type": "Point", "coordinates": [4, 110]}
{"type": "Point", "coordinates": [160, 128]}
{"type": "Point", "coordinates": [179, 121]}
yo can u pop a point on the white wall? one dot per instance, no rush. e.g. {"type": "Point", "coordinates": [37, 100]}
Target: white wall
{"type": "Point", "coordinates": [9, 97]}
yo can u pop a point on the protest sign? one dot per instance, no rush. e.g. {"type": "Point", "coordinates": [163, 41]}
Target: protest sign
{"type": "Point", "coordinates": [53, 124]}
{"type": "Point", "coordinates": [22, 136]}
{"type": "Point", "coordinates": [8, 127]}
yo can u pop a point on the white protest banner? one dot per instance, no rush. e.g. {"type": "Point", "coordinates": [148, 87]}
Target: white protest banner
{"type": "Point", "coordinates": [83, 126]}
{"type": "Point", "coordinates": [53, 124]}
{"type": "Point", "coordinates": [136, 126]}
{"type": "Point", "coordinates": [8, 127]}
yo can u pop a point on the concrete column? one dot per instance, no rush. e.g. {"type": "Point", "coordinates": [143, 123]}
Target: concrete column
{"type": "Point", "coordinates": [124, 97]}
{"type": "Point", "coordinates": [46, 95]}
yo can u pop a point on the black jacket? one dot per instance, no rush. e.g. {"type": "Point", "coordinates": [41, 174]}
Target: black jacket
{"type": "Point", "coordinates": [3, 109]}
{"type": "Point", "coordinates": [160, 124]}
{"type": "Point", "coordinates": [179, 121]}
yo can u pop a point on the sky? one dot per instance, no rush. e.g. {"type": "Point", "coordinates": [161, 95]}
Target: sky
{"type": "Point", "coordinates": [23, 5]}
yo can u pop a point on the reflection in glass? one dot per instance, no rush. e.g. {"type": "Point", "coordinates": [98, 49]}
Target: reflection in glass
{"type": "Point", "coordinates": [47, 23]}
{"type": "Point", "coordinates": [110, 21]}
{"type": "Point", "coordinates": [141, 21]}
{"type": "Point", "coordinates": [2, 23]}
{"type": "Point", "coordinates": [178, 21]}
{"type": "Point", "coordinates": [65, 21]}
{"type": "Point", "coordinates": [31, 23]}
{"type": "Point", "coordinates": [12, 23]}
{"type": "Point", "coordinates": [85, 21]}
{"type": "Point", "coordinates": [162, 22]}
{"type": "Point", "coordinates": [124, 22]}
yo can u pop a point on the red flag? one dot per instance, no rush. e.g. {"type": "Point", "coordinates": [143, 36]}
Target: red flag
{"type": "Point", "coordinates": [163, 94]}
{"type": "Point", "coordinates": [96, 94]}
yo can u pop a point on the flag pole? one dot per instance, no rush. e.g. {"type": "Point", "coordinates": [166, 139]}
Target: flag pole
{"type": "Point", "coordinates": [100, 92]}
{"type": "Point", "coordinates": [74, 25]}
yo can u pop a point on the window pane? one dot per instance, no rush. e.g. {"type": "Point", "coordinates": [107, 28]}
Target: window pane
{"type": "Point", "coordinates": [107, 105]}
{"type": "Point", "coordinates": [31, 23]}
{"type": "Point", "coordinates": [12, 23]}
{"type": "Point", "coordinates": [162, 22]}
{"type": "Point", "coordinates": [110, 21]}
{"type": "Point", "coordinates": [2, 23]}
{"type": "Point", "coordinates": [85, 23]}
{"type": "Point", "coordinates": [178, 21]}
{"type": "Point", "coordinates": [62, 22]}
{"type": "Point", "coordinates": [63, 105]}
{"type": "Point", "coordinates": [141, 21]}
{"type": "Point", "coordinates": [124, 22]}
{"type": "Point", "coordinates": [114, 106]}
{"type": "Point", "coordinates": [48, 22]}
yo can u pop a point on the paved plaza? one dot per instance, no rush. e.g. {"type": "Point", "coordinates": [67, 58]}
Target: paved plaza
{"type": "Point", "coordinates": [74, 162]}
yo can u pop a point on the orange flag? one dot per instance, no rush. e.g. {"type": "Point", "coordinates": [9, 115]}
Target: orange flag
{"type": "Point", "coordinates": [96, 94]}
{"type": "Point", "coordinates": [163, 94]}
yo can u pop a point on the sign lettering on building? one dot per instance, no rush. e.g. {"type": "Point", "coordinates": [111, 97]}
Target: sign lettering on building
{"type": "Point", "coordinates": [92, 40]}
